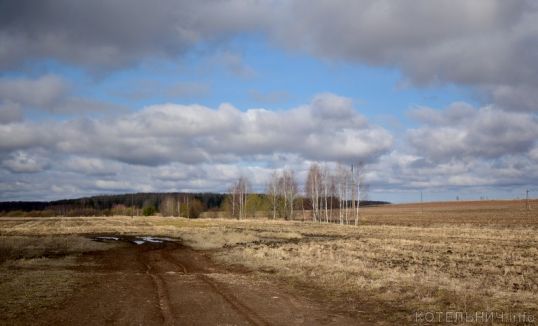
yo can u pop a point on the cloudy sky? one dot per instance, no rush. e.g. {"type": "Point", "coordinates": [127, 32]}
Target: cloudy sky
{"type": "Point", "coordinates": [132, 95]}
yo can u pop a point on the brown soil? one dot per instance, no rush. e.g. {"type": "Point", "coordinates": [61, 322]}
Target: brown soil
{"type": "Point", "coordinates": [169, 284]}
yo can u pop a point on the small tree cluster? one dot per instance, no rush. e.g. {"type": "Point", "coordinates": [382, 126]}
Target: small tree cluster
{"type": "Point", "coordinates": [282, 191]}
{"type": "Point", "coordinates": [334, 193]}
{"type": "Point", "coordinates": [238, 196]}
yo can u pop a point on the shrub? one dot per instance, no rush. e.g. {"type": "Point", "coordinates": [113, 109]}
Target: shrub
{"type": "Point", "coordinates": [149, 211]}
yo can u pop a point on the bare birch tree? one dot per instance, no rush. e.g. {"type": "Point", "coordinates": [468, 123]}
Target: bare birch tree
{"type": "Point", "coordinates": [238, 193]}
{"type": "Point", "coordinates": [357, 171]}
{"type": "Point", "coordinates": [167, 206]}
{"type": "Point", "coordinates": [289, 190]}
{"type": "Point", "coordinates": [272, 192]}
{"type": "Point", "coordinates": [313, 185]}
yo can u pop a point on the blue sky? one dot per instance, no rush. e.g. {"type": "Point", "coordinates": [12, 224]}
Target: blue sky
{"type": "Point", "coordinates": [113, 104]}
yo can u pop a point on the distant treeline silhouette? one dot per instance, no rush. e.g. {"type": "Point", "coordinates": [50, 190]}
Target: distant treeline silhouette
{"type": "Point", "coordinates": [189, 204]}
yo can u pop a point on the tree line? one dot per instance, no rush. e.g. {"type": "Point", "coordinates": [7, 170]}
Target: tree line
{"type": "Point", "coordinates": [136, 204]}
{"type": "Point", "coordinates": [329, 194]}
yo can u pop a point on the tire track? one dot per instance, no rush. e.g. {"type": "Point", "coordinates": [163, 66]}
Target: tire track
{"type": "Point", "coordinates": [250, 315]}
{"type": "Point", "coordinates": [160, 286]}
{"type": "Point", "coordinates": [165, 254]}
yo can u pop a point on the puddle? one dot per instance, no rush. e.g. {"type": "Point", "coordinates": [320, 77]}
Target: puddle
{"type": "Point", "coordinates": [106, 239]}
{"type": "Point", "coordinates": [134, 239]}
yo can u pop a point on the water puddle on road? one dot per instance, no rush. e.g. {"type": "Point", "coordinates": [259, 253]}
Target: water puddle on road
{"type": "Point", "coordinates": [138, 240]}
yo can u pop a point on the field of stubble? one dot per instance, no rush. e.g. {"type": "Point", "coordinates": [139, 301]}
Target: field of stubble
{"type": "Point", "coordinates": [460, 256]}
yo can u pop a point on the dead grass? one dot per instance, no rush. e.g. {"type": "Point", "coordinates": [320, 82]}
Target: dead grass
{"type": "Point", "coordinates": [405, 268]}
{"type": "Point", "coordinates": [37, 272]}
{"type": "Point", "coordinates": [27, 247]}
{"type": "Point", "coordinates": [467, 256]}
{"type": "Point", "coordinates": [32, 292]}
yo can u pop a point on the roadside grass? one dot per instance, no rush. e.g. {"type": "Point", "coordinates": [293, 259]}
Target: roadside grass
{"type": "Point", "coordinates": [26, 293]}
{"type": "Point", "coordinates": [36, 273]}
{"type": "Point", "coordinates": [409, 269]}
{"type": "Point", "coordinates": [28, 247]}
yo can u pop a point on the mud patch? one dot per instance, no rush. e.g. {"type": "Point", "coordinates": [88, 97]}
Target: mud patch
{"type": "Point", "coordinates": [138, 240]}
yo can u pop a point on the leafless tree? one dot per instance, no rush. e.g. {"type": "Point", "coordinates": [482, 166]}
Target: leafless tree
{"type": "Point", "coordinates": [341, 177]}
{"type": "Point", "coordinates": [239, 191]}
{"type": "Point", "coordinates": [357, 176]}
{"type": "Point", "coordinates": [325, 187]}
{"type": "Point", "coordinates": [272, 192]}
{"type": "Point", "coordinates": [289, 189]}
{"type": "Point", "coordinates": [167, 206]}
{"type": "Point", "coordinates": [313, 185]}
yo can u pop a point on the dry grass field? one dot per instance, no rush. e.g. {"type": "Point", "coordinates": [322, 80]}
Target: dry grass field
{"type": "Point", "coordinates": [460, 256]}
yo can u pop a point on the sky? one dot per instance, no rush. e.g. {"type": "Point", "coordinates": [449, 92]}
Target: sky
{"type": "Point", "coordinates": [102, 97]}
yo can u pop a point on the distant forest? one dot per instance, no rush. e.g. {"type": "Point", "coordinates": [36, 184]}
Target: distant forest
{"type": "Point", "coordinates": [167, 204]}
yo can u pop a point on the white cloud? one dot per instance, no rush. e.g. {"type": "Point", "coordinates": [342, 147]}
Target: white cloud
{"type": "Point", "coordinates": [24, 162]}
{"type": "Point", "coordinates": [91, 166]}
{"type": "Point", "coordinates": [327, 129]}
{"type": "Point", "coordinates": [113, 185]}
{"type": "Point", "coordinates": [485, 132]}
{"type": "Point", "coordinates": [49, 93]}
{"type": "Point", "coordinates": [488, 45]}
{"type": "Point", "coordinates": [42, 92]}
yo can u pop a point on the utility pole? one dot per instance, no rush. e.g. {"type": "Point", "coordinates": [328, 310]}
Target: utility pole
{"type": "Point", "coordinates": [421, 205]}
{"type": "Point", "coordinates": [132, 206]}
{"type": "Point", "coordinates": [527, 200]}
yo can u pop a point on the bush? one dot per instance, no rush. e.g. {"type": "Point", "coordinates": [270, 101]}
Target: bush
{"type": "Point", "coordinates": [149, 211]}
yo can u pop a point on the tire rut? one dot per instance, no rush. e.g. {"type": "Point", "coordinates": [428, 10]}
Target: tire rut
{"type": "Point", "coordinates": [160, 287]}
{"type": "Point", "coordinates": [250, 315]}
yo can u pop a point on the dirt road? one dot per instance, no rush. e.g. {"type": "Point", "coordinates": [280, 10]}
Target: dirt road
{"type": "Point", "coordinates": [168, 284]}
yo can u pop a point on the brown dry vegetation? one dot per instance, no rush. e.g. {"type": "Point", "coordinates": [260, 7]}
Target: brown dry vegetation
{"type": "Point", "coordinates": [461, 256]}
{"type": "Point", "coordinates": [37, 272]}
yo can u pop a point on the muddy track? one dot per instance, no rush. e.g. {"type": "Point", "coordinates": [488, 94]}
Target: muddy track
{"type": "Point", "coordinates": [169, 284]}
{"type": "Point", "coordinates": [160, 287]}
{"type": "Point", "coordinates": [242, 309]}
{"type": "Point", "coordinates": [250, 315]}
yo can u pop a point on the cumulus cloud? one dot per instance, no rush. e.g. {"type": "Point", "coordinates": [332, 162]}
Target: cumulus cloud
{"type": "Point", "coordinates": [24, 162]}
{"type": "Point", "coordinates": [462, 131]}
{"type": "Point", "coordinates": [42, 92]}
{"type": "Point", "coordinates": [407, 173]}
{"type": "Point", "coordinates": [486, 44]}
{"type": "Point", "coordinates": [461, 147]}
{"type": "Point", "coordinates": [50, 93]}
{"type": "Point", "coordinates": [91, 166]}
{"type": "Point", "coordinates": [328, 129]}
{"type": "Point", "coordinates": [115, 34]}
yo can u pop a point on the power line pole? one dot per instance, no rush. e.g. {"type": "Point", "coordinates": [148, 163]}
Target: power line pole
{"type": "Point", "coordinates": [421, 205]}
{"type": "Point", "coordinates": [527, 200]}
{"type": "Point", "coordinates": [132, 205]}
